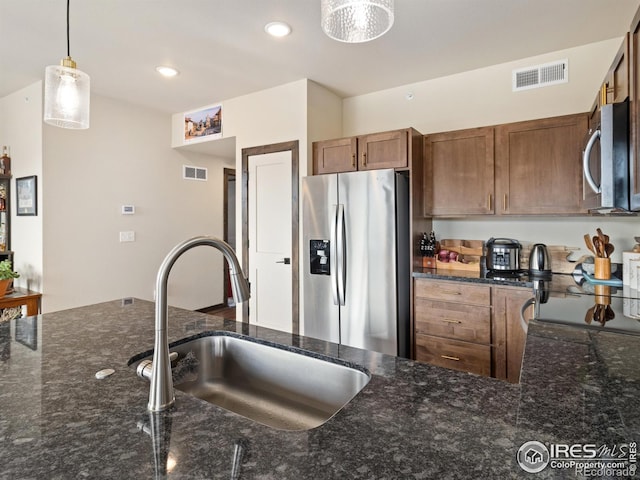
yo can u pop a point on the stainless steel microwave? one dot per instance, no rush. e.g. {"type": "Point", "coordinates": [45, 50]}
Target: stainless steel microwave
{"type": "Point", "coordinates": [605, 161]}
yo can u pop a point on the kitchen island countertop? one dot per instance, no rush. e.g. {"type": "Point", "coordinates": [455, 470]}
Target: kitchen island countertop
{"type": "Point", "coordinates": [412, 421]}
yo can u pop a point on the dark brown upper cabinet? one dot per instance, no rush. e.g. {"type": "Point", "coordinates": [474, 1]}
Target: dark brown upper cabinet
{"type": "Point", "coordinates": [634, 94]}
{"type": "Point", "coordinates": [383, 150]}
{"type": "Point", "coordinates": [523, 168]}
{"type": "Point", "coordinates": [539, 166]}
{"type": "Point", "coordinates": [459, 172]}
{"type": "Point", "coordinates": [364, 152]}
{"type": "Point", "coordinates": [617, 80]}
{"type": "Point", "coordinates": [332, 156]}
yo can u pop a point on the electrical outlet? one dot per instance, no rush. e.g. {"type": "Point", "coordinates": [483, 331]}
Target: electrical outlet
{"type": "Point", "coordinates": [129, 236]}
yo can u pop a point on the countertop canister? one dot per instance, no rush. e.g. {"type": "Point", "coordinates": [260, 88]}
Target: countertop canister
{"type": "Point", "coordinates": [626, 266]}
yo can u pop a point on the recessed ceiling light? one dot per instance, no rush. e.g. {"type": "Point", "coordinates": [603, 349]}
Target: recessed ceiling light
{"type": "Point", "coordinates": [166, 71]}
{"type": "Point", "coordinates": [277, 29]}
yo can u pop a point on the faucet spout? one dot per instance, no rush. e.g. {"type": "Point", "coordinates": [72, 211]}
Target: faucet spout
{"type": "Point", "coordinates": [161, 395]}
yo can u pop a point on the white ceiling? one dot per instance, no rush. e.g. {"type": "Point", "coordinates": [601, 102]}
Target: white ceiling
{"type": "Point", "coordinates": [222, 51]}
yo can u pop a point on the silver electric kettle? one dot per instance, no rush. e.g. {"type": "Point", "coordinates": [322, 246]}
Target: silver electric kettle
{"type": "Point", "coordinates": [539, 262]}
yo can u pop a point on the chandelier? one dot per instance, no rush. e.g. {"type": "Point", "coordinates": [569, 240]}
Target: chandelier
{"type": "Point", "coordinates": [356, 21]}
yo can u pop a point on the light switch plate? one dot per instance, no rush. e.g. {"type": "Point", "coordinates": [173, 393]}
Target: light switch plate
{"type": "Point", "coordinates": [129, 236]}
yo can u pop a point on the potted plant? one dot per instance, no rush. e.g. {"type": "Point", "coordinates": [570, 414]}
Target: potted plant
{"type": "Point", "coordinates": [6, 276]}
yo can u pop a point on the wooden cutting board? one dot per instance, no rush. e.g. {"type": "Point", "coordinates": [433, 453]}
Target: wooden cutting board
{"type": "Point", "coordinates": [558, 254]}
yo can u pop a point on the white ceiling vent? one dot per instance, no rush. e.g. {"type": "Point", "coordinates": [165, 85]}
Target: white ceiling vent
{"type": "Point", "coordinates": [194, 173]}
{"type": "Point", "coordinates": [541, 75]}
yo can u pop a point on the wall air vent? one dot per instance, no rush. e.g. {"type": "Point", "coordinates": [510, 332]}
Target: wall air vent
{"type": "Point", "coordinates": [541, 75]}
{"type": "Point", "coordinates": [194, 173]}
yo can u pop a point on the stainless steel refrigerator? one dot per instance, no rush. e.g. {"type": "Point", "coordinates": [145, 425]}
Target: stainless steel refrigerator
{"type": "Point", "coordinates": [357, 259]}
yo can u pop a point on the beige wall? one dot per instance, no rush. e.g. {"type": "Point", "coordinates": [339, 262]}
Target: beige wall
{"type": "Point", "coordinates": [484, 97]}
{"type": "Point", "coordinates": [324, 116]}
{"type": "Point", "coordinates": [72, 249]}
{"type": "Point", "coordinates": [568, 231]}
{"type": "Point", "coordinates": [266, 117]}
{"type": "Point", "coordinates": [20, 130]}
{"type": "Point", "coordinates": [125, 158]}
{"type": "Point", "coordinates": [301, 110]}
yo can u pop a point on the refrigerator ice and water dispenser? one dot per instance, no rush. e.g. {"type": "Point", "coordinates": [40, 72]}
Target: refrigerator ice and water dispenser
{"type": "Point", "coordinates": [319, 257]}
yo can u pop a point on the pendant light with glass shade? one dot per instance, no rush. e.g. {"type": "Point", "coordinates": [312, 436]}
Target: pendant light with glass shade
{"type": "Point", "coordinates": [66, 93]}
{"type": "Point", "coordinates": [356, 21]}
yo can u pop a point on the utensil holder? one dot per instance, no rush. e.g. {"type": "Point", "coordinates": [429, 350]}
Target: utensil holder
{"type": "Point", "coordinates": [603, 294]}
{"type": "Point", "coordinates": [602, 268]}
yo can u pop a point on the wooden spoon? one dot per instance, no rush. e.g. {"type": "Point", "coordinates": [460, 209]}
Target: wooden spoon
{"type": "Point", "coordinates": [608, 249]}
{"type": "Point", "coordinates": [588, 318]}
{"type": "Point", "coordinates": [603, 310]}
{"type": "Point", "coordinates": [587, 240]}
{"type": "Point", "coordinates": [609, 314]}
{"type": "Point", "coordinates": [603, 238]}
{"type": "Point", "coordinates": [596, 312]}
{"type": "Point", "coordinates": [598, 246]}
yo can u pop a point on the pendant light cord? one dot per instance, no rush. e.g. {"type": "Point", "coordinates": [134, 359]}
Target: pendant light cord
{"type": "Point", "coordinates": [68, 50]}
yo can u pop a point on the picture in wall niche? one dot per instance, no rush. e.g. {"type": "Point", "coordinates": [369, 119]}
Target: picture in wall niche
{"type": "Point", "coordinates": [27, 195]}
{"type": "Point", "coordinates": [205, 124]}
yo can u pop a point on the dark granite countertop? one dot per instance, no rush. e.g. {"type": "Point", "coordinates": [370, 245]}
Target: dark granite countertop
{"type": "Point", "coordinates": [472, 277]}
{"type": "Point", "coordinates": [412, 421]}
{"type": "Point", "coordinates": [561, 283]}
{"type": "Point", "coordinates": [566, 299]}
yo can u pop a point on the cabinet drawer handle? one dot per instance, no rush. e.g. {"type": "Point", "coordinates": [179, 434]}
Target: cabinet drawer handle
{"type": "Point", "coordinates": [450, 292]}
{"type": "Point", "coordinates": [451, 320]}
{"type": "Point", "coordinates": [353, 160]}
{"type": "Point", "coordinates": [489, 200]}
{"type": "Point", "coordinates": [364, 158]}
{"type": "Point", "coordinates": [504, 203]}
{"type": "Point", "coordinates": [448, 357]}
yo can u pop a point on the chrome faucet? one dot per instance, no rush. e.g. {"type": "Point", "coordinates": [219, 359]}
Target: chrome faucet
{"type": "Point", "coordinates": [161, 396]}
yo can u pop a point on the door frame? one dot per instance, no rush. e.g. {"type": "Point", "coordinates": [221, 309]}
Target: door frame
{"type": "Point", "coordinates": [294, 148]}
{"type": "Point", "coordinates": [227, 173]}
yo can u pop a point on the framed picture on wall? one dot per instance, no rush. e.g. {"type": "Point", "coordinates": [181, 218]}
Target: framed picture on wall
{"type": "Point", "coordinates": [27, 195]}
{"type": "Point", "coordinates": [204, 124]}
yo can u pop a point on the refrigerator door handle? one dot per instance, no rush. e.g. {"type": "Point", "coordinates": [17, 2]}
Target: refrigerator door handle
{"type": "Point", "coordinates": [333, 258]}
{"type": "Point", "coordinates": [341, 272]}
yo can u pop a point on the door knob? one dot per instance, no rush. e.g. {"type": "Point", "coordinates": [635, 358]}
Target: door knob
{"type": "Point", "coordinates": [285, 260]}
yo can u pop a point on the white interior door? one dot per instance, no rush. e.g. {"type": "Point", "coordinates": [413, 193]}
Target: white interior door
{"type": "Point", "coordinates": [270, 233]}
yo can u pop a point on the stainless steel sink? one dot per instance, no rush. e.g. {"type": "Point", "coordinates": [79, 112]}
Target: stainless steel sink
{"type": "Point", "coordinates": [282, 387]}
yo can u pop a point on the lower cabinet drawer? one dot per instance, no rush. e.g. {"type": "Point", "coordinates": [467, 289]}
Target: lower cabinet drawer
{"type": "Point", "coordinates": [458, 321]}
{"type": "Point", "coordinates": [444, 352]}
{"type": "Point", "coordinates": [458, 292]}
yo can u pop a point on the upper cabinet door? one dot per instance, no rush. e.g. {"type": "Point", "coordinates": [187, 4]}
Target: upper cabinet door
{"type": "Point", "coordinates": [634, 64]}
{"type": "Point", "coordinates": [539, 166]}
{"type": "Point", "coordinates": [617, 82]}
{"type": "Point", "coordinates": [458, 172]}
{"type": "Point", "coordinates": [333, 156]}
{"type": "Point", "coordinates": [383, 150]}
